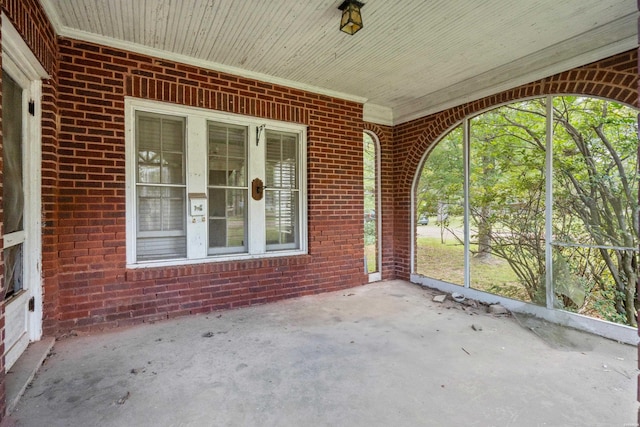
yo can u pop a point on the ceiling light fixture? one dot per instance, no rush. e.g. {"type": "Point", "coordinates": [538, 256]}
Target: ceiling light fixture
{"type": "Point", "coordinates": [351, 21]}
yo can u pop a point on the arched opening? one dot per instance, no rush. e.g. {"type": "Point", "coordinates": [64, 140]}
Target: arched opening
{"type": "Point", "coordinates": [371, 186]}
{"type": "Point", "coordinates": [439, 212]}
{"type": "Point", "coordinates": [536, 201]}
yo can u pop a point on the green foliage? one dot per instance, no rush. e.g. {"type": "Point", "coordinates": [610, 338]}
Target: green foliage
{"type": "Point", "coordinates": [370, 233]}
{"type": "Point", "coordinates": [369, 173]}
{"type": "Point", "coordinates": [595, 198]}
{"type": "Point", "coordinates": [369, 157]}
{"type": "Point", "coordinates": [442, 176]}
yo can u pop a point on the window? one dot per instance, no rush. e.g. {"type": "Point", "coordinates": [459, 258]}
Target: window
{"type": "Point", "coordinates": [282, 191]}
{"type": "Point", "coordinates": [160, 187]}
{"type": "Point", "coordinates": [205, 185]}
{"type": "Point", "coordinates": [227, 188]}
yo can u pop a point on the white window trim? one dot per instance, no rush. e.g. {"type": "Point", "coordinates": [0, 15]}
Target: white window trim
{"type": "Point", "coordinates": [196, 128]}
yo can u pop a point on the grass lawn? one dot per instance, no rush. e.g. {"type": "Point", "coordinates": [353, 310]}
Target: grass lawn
{"type": "Point", "coordinates": [370, 254]}
{"type": "Point", "coordinates": [446, 262]}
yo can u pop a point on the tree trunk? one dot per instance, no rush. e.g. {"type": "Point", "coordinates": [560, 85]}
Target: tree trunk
{"type": "Point", "coordinates": [484, 235]}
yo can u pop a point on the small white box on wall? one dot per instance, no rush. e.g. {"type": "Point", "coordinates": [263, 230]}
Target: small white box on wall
{"type": "Point", "coordinates": [197, 204]}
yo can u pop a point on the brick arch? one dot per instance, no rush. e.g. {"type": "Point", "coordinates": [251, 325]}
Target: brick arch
{"type": "Point", "coordinates": [376, 129]}
{"type": "Point", "coordinates": [613, 78]}
{"type": "Point", "coordinates": [591, 80]}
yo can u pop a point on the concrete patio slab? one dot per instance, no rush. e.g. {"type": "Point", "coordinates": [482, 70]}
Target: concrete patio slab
{"type": "Point", "coordinates": [24, 370]}
{"type": "Point", "coordinates": [379, 355]}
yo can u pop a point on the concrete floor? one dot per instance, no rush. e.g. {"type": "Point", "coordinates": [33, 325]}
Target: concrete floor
{"type": "Point", "coordinates": [384, 354]}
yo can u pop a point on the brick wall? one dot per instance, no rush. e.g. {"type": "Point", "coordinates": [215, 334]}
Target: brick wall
{"type": "Point", "coordinates": [95, 288]}
{"type": "Point", "coordinates": [614, 78]}
{"type": "Point", "coordinates": [28, 17]}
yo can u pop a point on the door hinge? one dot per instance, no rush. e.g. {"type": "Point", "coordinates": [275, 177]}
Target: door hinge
{"type": "Point", "coordinates": [32, 304]}
{"type": "Point", "coordinates": [32, 107]}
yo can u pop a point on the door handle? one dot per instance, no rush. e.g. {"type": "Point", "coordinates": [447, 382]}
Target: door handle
{"type": "Point", "coordinates": [257, 189]}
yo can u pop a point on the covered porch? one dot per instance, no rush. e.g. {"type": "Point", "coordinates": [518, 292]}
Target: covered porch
{"type": "Point", "coordinates": [380, 354]}
{"type": "Point", "coordinates": [199, 167]}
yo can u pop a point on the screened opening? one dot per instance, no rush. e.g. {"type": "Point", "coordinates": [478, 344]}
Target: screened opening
{"type": "Point", "coordinates": [507, 200]}
{"type": "Point", "coordinates": [440, 212]}
{"type": "Point", "coordinates": [545, 211]}
{"type": "Point", "coordinates": [371, 201]}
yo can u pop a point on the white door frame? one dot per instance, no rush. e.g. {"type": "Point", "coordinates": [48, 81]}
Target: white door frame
{"type": "Point", "coordinates": [23, 66]}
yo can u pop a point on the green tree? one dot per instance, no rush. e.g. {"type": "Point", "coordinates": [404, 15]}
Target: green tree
{"type": "Point", "coordinates": [595, 198]}
{"type": "Point", "coordinates": [507, 192]}
{"type": "Point", "coordinates": [440, 187]}
{"type": "Point", "coordinates": [596, 195]}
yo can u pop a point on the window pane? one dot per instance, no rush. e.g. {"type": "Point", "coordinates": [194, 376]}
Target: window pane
{"type": "Point", "coordinates": [282, 160]}
{"type": "Point", "coordinates": [160, 147]}
{"type": "Point", "coordinates": [236, 218]}
{"type": "Point", "coordinates": [507, 201]}
{"type": "Point", "coordinates": [149, 133]}
{"type": "Point", "coordinates": [148, 168]}
{"type": "Point", "coordinates": [217, 170]}
{"type": "Point", "coordinates": [12, 190]}
{"type": "Point", "coordinates": [13, 270]}
{"type": "Point", "coordinates": [149, 208]}
{"type": "Point", "coordinates": [217, 232]}
{"type": "Point", "coordinates": [281, 218]}
{"type": "Point", "coordinates": [237, 137]}
{"type": "Point", "coordinates": [217, 202]}
{"type": "Point", "coordinates": [161, 209]}
{"type": "Point", "coordinates": [161, 248]}
{"type": "Point", "coordinates": [172, 135]}
{"type": "Point", "coordinates": [227, 155]}
{"type": "Point", "coordinates": [227, 220]}
{"type": "Point", "coordinates": [439, 216]}
{"type": "Point", "coordinates": [227, 207]}
{"type": "Point", "coordinates": [595, 206]}
{"type": "Point", "coordinates": [161, 223]}
{"type": "Point", "coordinates": [173, 209]}
{"type": "Point", "coordinates": [172, 168]}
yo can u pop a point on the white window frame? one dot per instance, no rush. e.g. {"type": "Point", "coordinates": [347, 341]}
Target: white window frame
{"type": "Point", "coordinates": [196, 181]}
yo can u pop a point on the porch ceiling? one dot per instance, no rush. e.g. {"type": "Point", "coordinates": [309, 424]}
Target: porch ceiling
{"type": "Point", "coordinates": [412, 58]}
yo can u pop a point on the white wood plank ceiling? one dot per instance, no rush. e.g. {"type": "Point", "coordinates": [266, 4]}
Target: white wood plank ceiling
{"type": "Point", "coordinates": [412, 57]}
